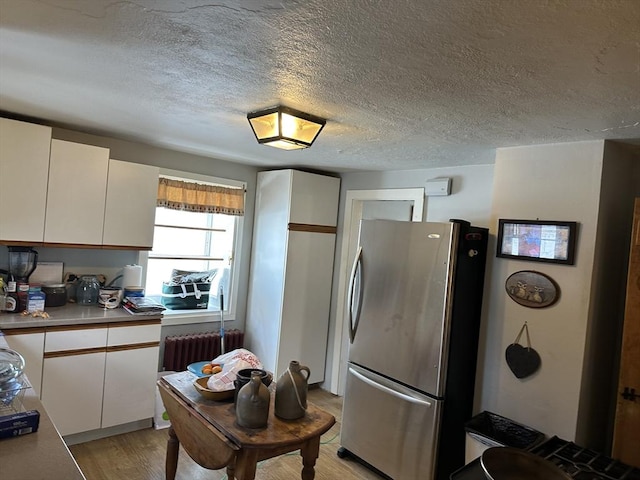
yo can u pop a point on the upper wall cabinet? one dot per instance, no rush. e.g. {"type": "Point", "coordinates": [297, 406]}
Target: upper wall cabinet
{"type": "Point", "coordinates": [76, 196]}
{"type": "Point", "coordinates": [24, 170]}
{"type": "Point", "coordinates": [313, 198]}
{"type": "Point", "coordinates": [70, 194]}
{"type": "Point", "coordinates": [132, 190]}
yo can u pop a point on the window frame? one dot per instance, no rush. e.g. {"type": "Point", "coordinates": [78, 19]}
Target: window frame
{"type": "Point", "coordinates": [231, 301]}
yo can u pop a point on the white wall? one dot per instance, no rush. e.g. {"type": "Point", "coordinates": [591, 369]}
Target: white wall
{"type": "Point", "coordinates": [470, 200]}
{"type": "Point", "coordinates": [548, 182]}
{"type": "Point", "coordinates": [470, 197]}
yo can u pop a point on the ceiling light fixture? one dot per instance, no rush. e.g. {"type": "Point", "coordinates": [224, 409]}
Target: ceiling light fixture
{"type": "Point", "coordinates": [285, 128]}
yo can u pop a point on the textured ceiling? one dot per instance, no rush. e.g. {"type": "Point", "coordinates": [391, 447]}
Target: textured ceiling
{"type": "Point", "coordinates": [403, 84]}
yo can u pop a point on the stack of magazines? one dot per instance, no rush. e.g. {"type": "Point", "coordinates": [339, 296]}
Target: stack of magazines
{"type": "Point", "coordinates": [142, 306]}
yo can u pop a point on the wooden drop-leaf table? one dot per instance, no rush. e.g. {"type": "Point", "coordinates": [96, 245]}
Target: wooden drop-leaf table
{"type": "Point", "coordinates": [209, 433]}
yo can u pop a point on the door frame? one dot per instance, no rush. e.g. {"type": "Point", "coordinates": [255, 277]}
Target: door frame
{"type": "Point", "coordinates": [353, 213]}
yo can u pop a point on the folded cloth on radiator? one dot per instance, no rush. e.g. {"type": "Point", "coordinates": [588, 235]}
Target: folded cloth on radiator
{"type": "Point", "coordinates": [232, 362]}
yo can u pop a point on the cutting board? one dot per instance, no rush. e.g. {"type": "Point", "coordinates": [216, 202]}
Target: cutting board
{"type": "Point", "coordinates": [47, 272]}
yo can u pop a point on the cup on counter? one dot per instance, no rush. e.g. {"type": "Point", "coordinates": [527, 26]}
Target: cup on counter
{"type": "Point", "coordinates": [110, 297]}
{"type": "Point", "coordinates": [133, 292]}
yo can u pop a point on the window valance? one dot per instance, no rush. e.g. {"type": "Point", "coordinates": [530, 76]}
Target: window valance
{"type": "Point", "coordinates": [197, 197]}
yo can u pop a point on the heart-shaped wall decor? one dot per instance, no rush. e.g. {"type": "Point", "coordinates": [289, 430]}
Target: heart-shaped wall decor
{"type": "Point", "coordinates": [523, 361]}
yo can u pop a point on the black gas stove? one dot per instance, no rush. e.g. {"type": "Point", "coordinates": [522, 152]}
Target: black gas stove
{"type": "Point", "coordinates": [579, 463]}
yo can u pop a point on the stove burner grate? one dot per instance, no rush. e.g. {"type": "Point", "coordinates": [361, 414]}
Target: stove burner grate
{"type": "Point", "coordinates": [583, 463]}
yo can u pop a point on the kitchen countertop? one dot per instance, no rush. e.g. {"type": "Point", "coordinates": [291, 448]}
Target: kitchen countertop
{"type": "Point", "coordinates": [41, 455]}
{"type": "Point", "coordinates": [71, 314]}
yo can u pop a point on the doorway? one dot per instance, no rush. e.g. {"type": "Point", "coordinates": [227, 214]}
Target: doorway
{"type": "Point", "coordinates": [388, 204]}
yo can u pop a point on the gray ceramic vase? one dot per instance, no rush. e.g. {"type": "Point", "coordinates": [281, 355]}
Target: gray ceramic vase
{"type": "Point", "coordinates": [252, 406]}
{"type": "Point", "coordinates": [291, 392]}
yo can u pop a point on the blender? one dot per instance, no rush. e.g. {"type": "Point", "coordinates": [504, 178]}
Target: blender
{"type": "Point", "coordinates": [22, 263]}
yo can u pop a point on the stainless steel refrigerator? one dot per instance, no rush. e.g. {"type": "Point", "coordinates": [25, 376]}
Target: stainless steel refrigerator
{"type": "Point", "coordinates": [415, 300]}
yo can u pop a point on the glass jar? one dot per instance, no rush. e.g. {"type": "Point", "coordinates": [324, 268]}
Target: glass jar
{"type": "Point", "coordinates": [87, 290]}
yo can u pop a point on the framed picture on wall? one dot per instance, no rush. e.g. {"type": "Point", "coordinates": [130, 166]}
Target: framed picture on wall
{"type": "Point", "coordinates": [537, 240]}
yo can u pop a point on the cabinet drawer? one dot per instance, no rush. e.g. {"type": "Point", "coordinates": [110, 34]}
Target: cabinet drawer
{"type": "Point", "coordinates": [132, 334]}
{"type": "Point", "coordinates": [75, 339]}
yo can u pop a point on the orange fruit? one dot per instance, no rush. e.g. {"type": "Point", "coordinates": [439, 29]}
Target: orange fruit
{"type": "Point", "coordinates": [216, 369]}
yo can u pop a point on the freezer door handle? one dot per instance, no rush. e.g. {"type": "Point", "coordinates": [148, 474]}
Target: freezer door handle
{"type": "Point", "coordinates": [354, 319]}
{"type": "Point", "coordinates": [388, 390]}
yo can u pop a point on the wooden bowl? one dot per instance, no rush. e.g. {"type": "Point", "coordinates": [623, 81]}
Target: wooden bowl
{"type": "Point", "coordinates": [201, 386]}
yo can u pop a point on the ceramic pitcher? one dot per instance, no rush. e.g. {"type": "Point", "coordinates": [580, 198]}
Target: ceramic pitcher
{"type": "Point", "coordinates": [291, 392]}
{"type": "Point", "coordinates": [252, 406]}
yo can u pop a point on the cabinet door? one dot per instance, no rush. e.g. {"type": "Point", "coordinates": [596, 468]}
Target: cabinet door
{"type": "Point", "coordinates": [132, 366]}
{"type": "Point", "coordinates": [306, 303]}
{"type": "Point", "coordinates": [133, 371]}
{"type": "Point", "coordinates": [72, 389]}
{"type": "Point", "coordinates": [314, 199]}
{"type": "Point", "coordinates": [31, 347]}
{"type": "Point", "coordinates": [76, 195]}
{"type": "Point", "coordinates": [24, 170]}
{"type": "Point", "coordinates": [130, 210]}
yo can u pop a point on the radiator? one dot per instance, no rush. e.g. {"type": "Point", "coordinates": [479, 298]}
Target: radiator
{"type": "Point", "coordinates": [181, 350]}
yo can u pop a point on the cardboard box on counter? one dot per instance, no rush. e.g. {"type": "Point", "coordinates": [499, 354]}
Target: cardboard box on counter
{"type": "Point", "coordinates": [21, 423]}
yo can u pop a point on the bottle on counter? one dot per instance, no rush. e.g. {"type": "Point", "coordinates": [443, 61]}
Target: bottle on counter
{"type": "Point", "coordinates": [2, 294]}
{"type": "Point", "coordinates": [23, 297]}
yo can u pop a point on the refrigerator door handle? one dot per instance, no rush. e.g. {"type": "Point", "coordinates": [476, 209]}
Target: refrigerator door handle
{"type": "Point", "coordinates": [353, 326]}
{"type": "Point", "coordinates": [388, 390]}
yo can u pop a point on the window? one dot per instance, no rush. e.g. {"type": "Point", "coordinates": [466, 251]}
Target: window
{"type": "Point", "coordinates": [195, 241]}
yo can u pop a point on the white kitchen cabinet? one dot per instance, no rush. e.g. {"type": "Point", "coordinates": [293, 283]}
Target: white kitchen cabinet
{"type": "Point", "coordinates": [132, 192]}
{"type": "Point", "coordinates": [101, 375]}
{"type": "Point", "coordinates": [73, 377]}
{"type": "Point", "coordinates": [24, 172]}
{"type": "Point", "coordinates": [76, 195]}
{"type": "Point", "coordinates": [132, 364]}
{"type": "Point", "coordinates": [292, 270]}
{"type": "Point", "coordinates": [28, 342]}
{"type": "Point", "coordinates": [72, 194]}
{"type": "Point", "coordinates": [72, 389]}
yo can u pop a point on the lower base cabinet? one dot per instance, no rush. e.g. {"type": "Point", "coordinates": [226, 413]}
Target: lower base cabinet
{"type": "Point", "coordinates": [72, 388]}
{"type": "Point", "coordinates": [101, 376]}
{"type": "Point", "coordinates": [29, 342]}
{"type": "Point", "coordinates": [129, 393]}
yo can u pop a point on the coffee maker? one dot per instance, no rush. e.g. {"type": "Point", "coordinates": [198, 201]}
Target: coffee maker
{"type": "Point", "coordinates": [22, 262]}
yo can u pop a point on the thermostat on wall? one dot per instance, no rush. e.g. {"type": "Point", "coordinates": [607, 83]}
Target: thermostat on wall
{"type": "Point", "coordinates": [438, 186]}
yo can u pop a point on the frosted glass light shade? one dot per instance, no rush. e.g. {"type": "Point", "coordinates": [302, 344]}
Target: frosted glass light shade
{"type": "Point", "coordinates": [285, 128]}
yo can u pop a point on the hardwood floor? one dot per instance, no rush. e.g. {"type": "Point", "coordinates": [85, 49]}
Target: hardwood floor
{"type": "Point", "coordinates": [140, 456]}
